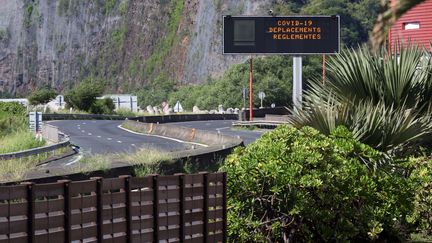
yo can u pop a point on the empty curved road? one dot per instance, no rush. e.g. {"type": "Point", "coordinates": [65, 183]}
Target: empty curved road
{"type": "Point", "coordinates": [104, 136]}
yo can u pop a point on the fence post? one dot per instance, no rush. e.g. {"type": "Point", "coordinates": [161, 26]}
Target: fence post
{"type": "Point", "coordinates": [182, 202]}
{"type": "Point", "coordinates": [67, 209]}
{"type": "Point", "coordinates": [30, 212]}
{"type": "Point", "coordinates": [224, 208]}
{"type": "Point", "coordinates": [205, 206]}
{"type": "Point", "coordinates": [155, 208]}
{"type": "Point", "coordinates": [128, 205]}
{"type": "Point", "coordinates": [99, 207]}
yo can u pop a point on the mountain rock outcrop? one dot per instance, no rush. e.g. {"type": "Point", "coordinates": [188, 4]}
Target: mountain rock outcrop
{"type": "Point", "coordinates": [128, 43]}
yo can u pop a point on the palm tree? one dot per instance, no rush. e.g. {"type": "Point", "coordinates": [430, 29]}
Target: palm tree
{"type": "Point", "coordinates": [384, 100]}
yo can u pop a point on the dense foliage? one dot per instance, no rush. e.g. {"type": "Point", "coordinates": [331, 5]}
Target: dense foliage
{"type": "Point", "coordinates": [12, 117]}
{"type": "Point", "coordinates": [83, 97]}
{"type": "Point", "coordinates": [272, 75]}
{"type": "Point", "coordinates": [14, 132]}
{"type": "Point", "coordinates": [302, 186]}
{"type": "Point", "coordinates": [383, 99]}
{"type": "Point", "coordinates": [102, 106]}
{"type": "Point", "coordinates": [42, 96]}
{"type": "Point", "coordinates": [421, 177]}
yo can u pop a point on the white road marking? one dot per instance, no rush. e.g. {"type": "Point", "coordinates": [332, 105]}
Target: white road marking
{"type": "Point", "coordinates": [76, 160]}
{"type": "Point", "coordinates": [151, 135]}
{"type": "Point", "coordinates": [99, 136]}
{"type": "Point", "coordinates": [109, 139]}
{"type": "Point", "coordinates": [119, 141]}
{"type": "Point", "coordinates": [222, 128]}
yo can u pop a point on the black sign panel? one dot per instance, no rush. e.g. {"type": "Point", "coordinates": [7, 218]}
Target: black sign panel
{"type": "Point", "coordinates": [282, 35]}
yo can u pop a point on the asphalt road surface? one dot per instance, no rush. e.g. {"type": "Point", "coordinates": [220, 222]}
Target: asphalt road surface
{"type": "Point", "coordinates": [225, 127]}
{"type": "Point", "coordinates": [102, 137]}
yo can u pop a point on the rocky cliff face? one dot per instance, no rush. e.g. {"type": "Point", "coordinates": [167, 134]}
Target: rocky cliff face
{"type": "Point", "coordinates": [129, 43]}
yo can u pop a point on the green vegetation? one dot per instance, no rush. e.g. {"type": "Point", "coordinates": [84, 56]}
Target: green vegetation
{"type": "Point", "coordinates": [384, 100]}
{"type": "Point", "coordinates": [421, 176]}
{"type": "Point", "coordinates": [17, 169]}
{"type": "Point", "coordinates": [42, 96]}
{"type": "Point", "coordinates": [145, 159]}
{"type": "Point", "coordinates": [102, 106]}
{"type": "Point", "coordinates": [123, 7]}
{"type": "Point", "coordinates": [118, 37]}
{"type": "Point", "coordinates": [18, 141]}
{"type": "Point", "coordinates": [62, 7]}
{"type": "Point", "coordinates": [162, 48]}
{"type": "Point", "coordinates": [156, 92]}
{"type": "Point", "coordinates": [4, 35]}
{"type": "Point", "coordinates": [307, 187]}
{"type": "Point", "coordinates": [272, 75]}
{"type": "Point", "coordinates": [12, 118]}
{"type": "Point", "coordinates": [14, 133]}
{"type": "Point", "coordinates": [83, 97]}
{"type": "Point", "coordinates": [109, 5]}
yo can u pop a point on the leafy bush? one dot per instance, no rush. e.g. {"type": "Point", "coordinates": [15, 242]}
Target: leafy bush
{"type": "Point", "coordinates": [42, 96]}
{"type": "Point", "coordinates": [102, 106]}
{"type": "Point", "coordinates": [302, 186]}
{"type": "Point", "coordinates": [421, 176]}
{"type": "Point", "coordinates": [83, 95]}
{"type": "Point", "coordinates": [156, 92]}
{"type": "Point", "coordinates": [13, 117]}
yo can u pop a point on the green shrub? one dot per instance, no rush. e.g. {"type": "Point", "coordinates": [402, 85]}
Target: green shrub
{"type": "Point", "coordinates": [421, 176]}
{"type": "Point", "coordinates": [384, 99]}
{"type": "Point", "coordinates": [42, 96]}
{"type": "Point", "coordinates": [303, 186]}
{"type": "Point", "coordinates": [83, 95]}
{"type": "Point", "coordinates": [102, 106]}
{"type": "Point", "coordinates": [13, 117]}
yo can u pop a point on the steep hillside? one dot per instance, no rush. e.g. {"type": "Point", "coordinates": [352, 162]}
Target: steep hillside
{"type": "Point", "coordinates": [128, 43]}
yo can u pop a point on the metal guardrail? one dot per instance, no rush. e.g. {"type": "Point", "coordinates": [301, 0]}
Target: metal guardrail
{"type": "Point", "coordinates": [51, 117]}
{"type": "Point", "coordinates": [50, 133]}
{"type": "Point", "coordinates": [34, 151]}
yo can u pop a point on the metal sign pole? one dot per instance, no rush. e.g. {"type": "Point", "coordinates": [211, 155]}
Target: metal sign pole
{"type": "Point", "coordinates": [297, 81]}
{"type": "Point", "coordinates": [250, 90]}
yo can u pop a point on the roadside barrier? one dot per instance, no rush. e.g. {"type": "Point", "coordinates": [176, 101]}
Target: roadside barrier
{"type": "Point", "coordinates": [184, 208]}
{"type": "Point", "coordinates": [50, 133]}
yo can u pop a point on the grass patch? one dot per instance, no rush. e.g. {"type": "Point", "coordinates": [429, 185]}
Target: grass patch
{"type": "Point", "coordinates": [148, 158]}
{"type": "Point", "coordinates": [18, 141]}
{"type": "Point", "coordinates": [94, 162]}
{"type": "Point", "coordinates": [16, 169]}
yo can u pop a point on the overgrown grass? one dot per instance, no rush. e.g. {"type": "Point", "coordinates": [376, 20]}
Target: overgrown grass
{"type": "Point", "coordinates": [146, 157]}
{"type": "Point", "coordinates": [16, 169]}
{"type": "Point", "coordinates": [18, 141]}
